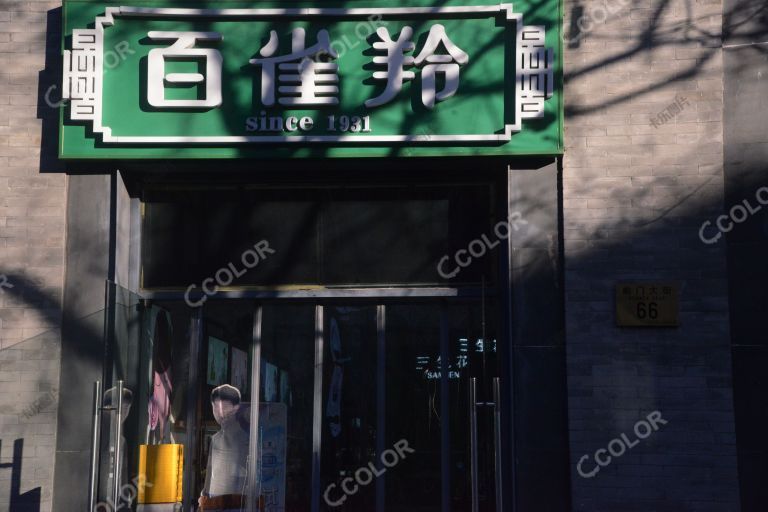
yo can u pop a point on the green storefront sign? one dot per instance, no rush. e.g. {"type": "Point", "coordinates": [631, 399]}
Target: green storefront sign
{"type": "Point", "coordinates": [346, 79]}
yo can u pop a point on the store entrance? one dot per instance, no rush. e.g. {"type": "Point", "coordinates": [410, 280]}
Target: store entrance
{"type": "Point", "coordinates": [363, 405]}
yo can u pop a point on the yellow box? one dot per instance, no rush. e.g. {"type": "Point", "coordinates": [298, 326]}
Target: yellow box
{"type": "Point", "coordinates": [161, 472]}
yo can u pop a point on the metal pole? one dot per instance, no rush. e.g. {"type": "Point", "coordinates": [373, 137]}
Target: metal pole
{"type": "Point", "coordinates": [497, 440]}
{"type": "Point", "coordinates": [93, 481]}
{"type": "Point", "coordinates": [190, 454]}
{"type": "Point", "coordinates": [445, 411]}
{"type": "Point", "coordinates": [381, 365]}
{"type": "Point", "coordinates": [118, 444]}
{"type": "Point", "coordinates": [317, 414]}
{"type": "Point", "coordinates": [508, 368]}
{"type": "Point", "coordinates": [473, 442]}
{"type": "Point", "coordinates": [254, 456]}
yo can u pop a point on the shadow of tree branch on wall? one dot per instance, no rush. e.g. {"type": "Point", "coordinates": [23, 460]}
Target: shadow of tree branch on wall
{"type": "Point", "coordinates": [657, 41]}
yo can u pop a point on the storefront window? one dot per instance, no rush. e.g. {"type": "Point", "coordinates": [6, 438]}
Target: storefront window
{"type": "Point", "coordinates": [414, 406]}
{"type": "Point", "coordinates": [350, 412]}
{"type": "Point", "coordinates": [285, 439]}
{"type": "Point", "coordinates": [326, 236]}
{"type": "Point", "coordinates": [221, 476]}
{"type": "Point", "coordinates": [362, 405]}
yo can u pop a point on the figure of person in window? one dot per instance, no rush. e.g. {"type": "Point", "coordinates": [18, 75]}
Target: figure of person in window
{"type": "Point", "coordinates": [227, 475]}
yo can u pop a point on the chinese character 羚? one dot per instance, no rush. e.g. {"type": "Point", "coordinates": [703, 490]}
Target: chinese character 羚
{"type": "Point", "coordinates": [431, 62]}
{"type": "Point", "coordinates": [396, 61]}
{"type": "Point", "coordinates": [448, 65]}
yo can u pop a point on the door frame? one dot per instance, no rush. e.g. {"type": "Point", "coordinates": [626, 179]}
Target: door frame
{"type": "Point", "coordinates": [372, 297]}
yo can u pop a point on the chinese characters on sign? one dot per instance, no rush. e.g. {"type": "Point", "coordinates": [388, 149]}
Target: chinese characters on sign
{"type": "Point", "coordinates": [467, 74]}
{"type": "Point", "coordinates": [431, 366]}
{"type": "Point", "coordinates": [298, 78]}
{"type": "Point", "coordinates": [647, 304]}
{"type": "Point", "coordinates": [396, 61]}
{"type": "Point", "coordinates": [182, 49]}
{"type": "Point", "coordinates": [534, 87]}
{"type": "Point", "coordinates": [298, 67]}
{"type": "Point", "coordinates": [80, 88]}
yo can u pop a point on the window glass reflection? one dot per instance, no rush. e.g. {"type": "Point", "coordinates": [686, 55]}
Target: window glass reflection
{"type": "Point", "coordinates": [284, 478]}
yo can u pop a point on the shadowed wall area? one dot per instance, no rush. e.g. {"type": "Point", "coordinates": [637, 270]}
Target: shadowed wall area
{"type": "Point", "coordinates": [745, 59]}
{"type": "Point", "coordinates": [32, 226]}
{"type": "Point", "coordinates": [638, 184]}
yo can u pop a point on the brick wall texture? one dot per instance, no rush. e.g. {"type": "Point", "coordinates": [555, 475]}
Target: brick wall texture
{"type": "Point", "coordinates": [636, 189]}
{"type": "Point", "coordinates": [32, 224]}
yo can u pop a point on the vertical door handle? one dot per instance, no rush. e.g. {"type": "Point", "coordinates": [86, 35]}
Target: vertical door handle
{"type": "Point", "coordinates": [93, 478]}
{"type": "Point", "coordinates": [118, 439]}
{"type": "Point", "coordinates": [497, 439]}
{"type": "Point", "coordinates": [473, 443]}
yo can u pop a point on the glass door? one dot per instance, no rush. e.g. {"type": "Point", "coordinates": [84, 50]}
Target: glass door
{"type": "Point", "coordinates": [352, 412]}
{"type": "Point", "coordinates": [287, 444]}
{"type": "Point", "coordinates": [144, 407]}
{"type": "Point", "coordinates": [300, 406]}
{"type": "Point", "coordinates": [440, 370]}
{"type": "Point", "coordinates": [377, 407]}
{"type": "Point", "coordinates": [222, 461]}
{"type": "Point", "coordinates": [115, 419]}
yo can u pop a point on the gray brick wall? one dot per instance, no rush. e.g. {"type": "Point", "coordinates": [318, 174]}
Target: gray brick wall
{"type": "Point", "coordinates": [29, 376]}
{"type": "Point", "coordinates": [32, 206]}
{"type": "Point", "coordinates": [635, 195]}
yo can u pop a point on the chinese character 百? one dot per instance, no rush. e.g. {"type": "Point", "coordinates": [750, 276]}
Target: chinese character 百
{"type": "Point", "coordinates": [431, 62]}
{"type": "Point", "coordinates": [182, 49]}
{"type": "Point", "coordinates": [300, 80]}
